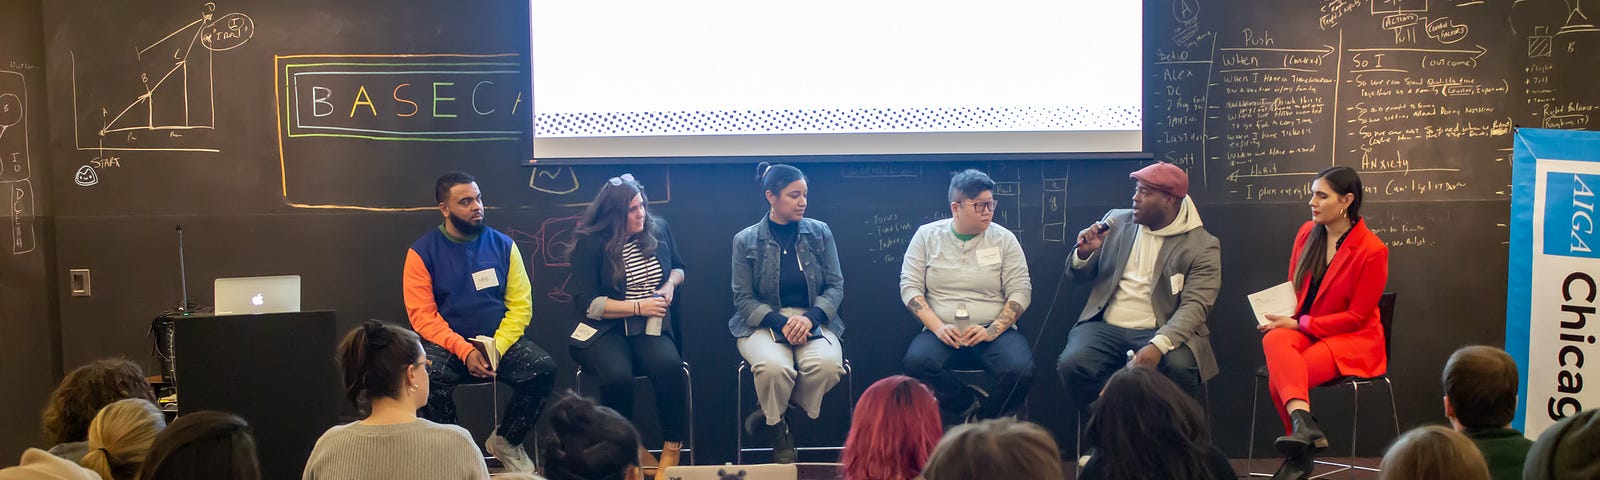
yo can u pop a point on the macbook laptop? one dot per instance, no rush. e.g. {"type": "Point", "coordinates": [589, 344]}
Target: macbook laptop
{"type": "Point", "coordinates": [242, 295]}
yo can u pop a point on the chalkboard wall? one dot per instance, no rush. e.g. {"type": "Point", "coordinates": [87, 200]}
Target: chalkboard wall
{"type": "Point", "coordinates": [244, 122]}
{"type": "Point", "coordinates": [28, 335]}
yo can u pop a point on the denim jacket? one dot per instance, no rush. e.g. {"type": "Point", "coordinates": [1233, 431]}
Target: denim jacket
{"type": "Point", "coordinates": [756, 256]}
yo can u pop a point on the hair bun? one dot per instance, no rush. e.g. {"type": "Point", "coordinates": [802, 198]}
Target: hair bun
{"type": "Point", "coordinates": [761, 171]}
{"type": "Point", "coordinates": [377, 335]}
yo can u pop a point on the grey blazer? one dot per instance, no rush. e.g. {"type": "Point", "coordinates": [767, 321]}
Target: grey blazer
{"type": "Point", "coordinates": [1180, 316]}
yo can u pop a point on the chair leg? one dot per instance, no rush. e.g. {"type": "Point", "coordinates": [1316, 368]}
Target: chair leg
{"type": "Point", "coordinates": [1393, 411]}
{"type": "Point", "coordinates": [1250, 448]}
{"type": "Point", "coordinates": [688, 383]}
{"type": "Point", "coordinates": [738, 418]}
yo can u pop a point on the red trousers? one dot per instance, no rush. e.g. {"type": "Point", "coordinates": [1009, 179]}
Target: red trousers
{"type": "Point", "coordinates": [1295, 362]}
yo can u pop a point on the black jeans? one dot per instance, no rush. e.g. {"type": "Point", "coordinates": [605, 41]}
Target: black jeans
{"type": "Point", "coordinates": [528, 369]}
{"type": "Point", "coordinates": [1008, 358]}
{"type": "Point", "coordinates": [614, 359]}
{"type": "Point", "coordinates": [1096, 349]}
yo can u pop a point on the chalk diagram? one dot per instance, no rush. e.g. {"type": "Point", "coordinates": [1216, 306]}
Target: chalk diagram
{"type": "Point", "coordinates": [168, 105]}
{"type": "Point", "coordinates": [15, 166]}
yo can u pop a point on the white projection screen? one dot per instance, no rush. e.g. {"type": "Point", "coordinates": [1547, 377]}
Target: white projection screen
{"type": "Point", "coordinates": [710, 78]}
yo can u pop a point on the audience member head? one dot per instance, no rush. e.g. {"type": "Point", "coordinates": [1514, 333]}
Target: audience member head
{"type": "Point", "coordinates": [1158, 193]}
{"type": "Point", "coordinates": [972, 202]}
{"type": "Point", "coordinates": [1173, 440]}
{"type": "Point", "coordinates": [120, 436]}
{"type": "Point", "coordinates": [785, 188]}
{"type": "Point", "coordinates": [589, 442]}
{"type": "Point", "coordinates": [85, 391]}
{"type": "Point", "coordinates": [894, 430]}
{"type": "Point", "coordinates": [999, 448]}
{"type": "Point", "coordinates": [383, 361]}
{"type": "Point", "coordinates": [1566, 449]}
{"type": "Point", "coordinates": [205, 445]}
{"type": "Point", "coordinates": [1433, 452]}
{"type": "Point", "coordinates": [1480, 388]}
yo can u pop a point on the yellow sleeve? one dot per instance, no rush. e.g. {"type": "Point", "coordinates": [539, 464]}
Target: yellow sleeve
{"type": "Point", "coordinates": [519, 304]}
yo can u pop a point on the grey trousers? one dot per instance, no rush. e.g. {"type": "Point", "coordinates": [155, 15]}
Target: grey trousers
{"type": "Point", "coordinates": [786, 374]}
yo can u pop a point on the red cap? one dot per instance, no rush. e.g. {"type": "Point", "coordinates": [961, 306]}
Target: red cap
{"type": "Point", "coordinates": [1165, 177]}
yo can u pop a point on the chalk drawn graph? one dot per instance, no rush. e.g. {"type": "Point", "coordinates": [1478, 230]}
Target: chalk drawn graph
{"type": "Point", "coordinates": [15, 166]}
{"type": "Point", "coordinates": [173, 104]}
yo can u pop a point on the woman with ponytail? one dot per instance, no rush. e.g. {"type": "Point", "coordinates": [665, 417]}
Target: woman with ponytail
{"type": "Point", "coordinates": [589, 442]}
{"type": "Point", "coordinates": [1338, 268]}
{"type": "Point", "coordinates": [120, 436]}
{"type": "Point", "coordinates": [787, 288]}
{"type": "Point", "coordinates": [386, 377]}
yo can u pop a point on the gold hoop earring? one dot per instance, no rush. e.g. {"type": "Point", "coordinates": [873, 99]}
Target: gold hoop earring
{"type": "Point", "coordinates": [413, 387]}
{"type": "Point", "coordinates": [1341, 212]}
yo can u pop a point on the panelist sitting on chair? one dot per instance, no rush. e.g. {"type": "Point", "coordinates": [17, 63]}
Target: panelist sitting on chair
{"type": "Point", "coordinates": [625, 273]}
{"type": "Point", "coordinates": [787, 288]}
{"type": "Point", "coordinates": [966, 279]}
{"type": "Point", "coordinates": [1155, 272]}
{"type": "Point", "coordinates": [464, 280]}
{"type": "Point", "coordinates": [1339, 269]}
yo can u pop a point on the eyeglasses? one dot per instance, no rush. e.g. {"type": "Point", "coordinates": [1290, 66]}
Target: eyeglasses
{"type": "Point", "coordinates": [617, 180]}
{"type": "Point", "coordinates": [424, 363]}
{"type": "Point", "coordinates": [988, 206]}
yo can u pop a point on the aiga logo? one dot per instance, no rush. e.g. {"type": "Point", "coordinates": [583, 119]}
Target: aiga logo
{"type": "Point", "coordinates": [258, 300]}
{"type": "Point", "coordinates": [1569, 213]}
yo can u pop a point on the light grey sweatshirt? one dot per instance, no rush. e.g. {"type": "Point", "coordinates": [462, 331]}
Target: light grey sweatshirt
{"type": "Point", "coordinates": [983, 273]}
{"type": "Point", "coordinates": [420, 450]}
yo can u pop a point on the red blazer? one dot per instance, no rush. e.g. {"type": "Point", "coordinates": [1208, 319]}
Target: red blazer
{"type": "Point", "coordinates": [1345, 313]}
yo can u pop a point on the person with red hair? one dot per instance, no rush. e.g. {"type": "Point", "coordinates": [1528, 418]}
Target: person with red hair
{"type": "Point", "coordinates": [895, 429]}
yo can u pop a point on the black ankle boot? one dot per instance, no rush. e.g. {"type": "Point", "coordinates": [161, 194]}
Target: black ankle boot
{"type": "Point", "coordinates": [755, 422]}
{"type": "Point", "coordinates": [1307, 439]}
{"type": "Point", "coordinates": [1294, 468]}
{"type": "Point", "coordinates": [782, 443]}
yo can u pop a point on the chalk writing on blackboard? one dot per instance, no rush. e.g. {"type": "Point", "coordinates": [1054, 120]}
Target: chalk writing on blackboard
{"type": "Point", "coordinates": [554, 180]}
{"type": "Point", "coordinates": [1053, 210]}
{"type": "Point", "coordinates": [175, 107]}
{"type": "Point", "coordinates": [15, 163]}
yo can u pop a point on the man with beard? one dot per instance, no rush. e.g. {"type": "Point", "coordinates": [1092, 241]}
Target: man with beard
{"type": "Point", "coordinates": [463, 280]}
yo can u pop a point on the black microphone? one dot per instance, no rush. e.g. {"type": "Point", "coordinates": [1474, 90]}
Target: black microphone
{"type": "Point", "coordinates": [1098, 228]}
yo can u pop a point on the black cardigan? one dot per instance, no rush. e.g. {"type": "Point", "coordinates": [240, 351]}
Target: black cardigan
{"type": "Point", "coordinates": [592, 278]}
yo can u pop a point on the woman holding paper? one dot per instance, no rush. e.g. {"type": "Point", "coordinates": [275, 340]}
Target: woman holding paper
{"type": "Point", "coordinates": [786, 293]}
{"type": "Point", "coordinates": [1338, 270]}
{"type": "Point", "coordinates": [625, 272]}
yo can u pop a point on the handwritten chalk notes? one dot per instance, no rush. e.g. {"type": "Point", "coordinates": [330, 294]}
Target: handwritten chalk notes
{"type": "Point", "coordinates": [1415, 95]}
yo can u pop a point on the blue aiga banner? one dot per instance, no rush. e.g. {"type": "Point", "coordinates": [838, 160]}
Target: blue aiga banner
{"type": "Point", "coordinates": [1555, 263]}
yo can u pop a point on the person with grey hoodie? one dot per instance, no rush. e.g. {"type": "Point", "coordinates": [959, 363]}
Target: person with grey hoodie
{"type": "Point", "coordinates": [1155, 272]}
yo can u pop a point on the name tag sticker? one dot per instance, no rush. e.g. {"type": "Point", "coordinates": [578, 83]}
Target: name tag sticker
{"type": "Point", "coordinates": [1176, 282]}
{"type": "Point", "coordinates": [485, 278]}
{"type": "Point", "coordinates": [989, 256]}
{"type": "Point", "coordinates": [583, 332]}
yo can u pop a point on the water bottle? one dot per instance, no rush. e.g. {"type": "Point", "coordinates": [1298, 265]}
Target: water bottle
{"type": "Point", "coordinates": [652, 325]}
{"type": "Point", "coordinates": [962, 319]}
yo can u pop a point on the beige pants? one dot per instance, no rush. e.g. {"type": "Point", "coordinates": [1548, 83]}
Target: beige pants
{"type": "Point", "coordinates": [786, 374]}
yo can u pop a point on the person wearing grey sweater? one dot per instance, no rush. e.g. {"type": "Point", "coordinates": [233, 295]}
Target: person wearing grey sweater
{"type": "Point", "coordinates": [385, 373]}
{"type": "Point", "coordinates": [966, 279]}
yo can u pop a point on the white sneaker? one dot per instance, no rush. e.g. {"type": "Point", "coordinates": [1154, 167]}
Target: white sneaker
{"type": "Point", "coordinates": [513, 457]}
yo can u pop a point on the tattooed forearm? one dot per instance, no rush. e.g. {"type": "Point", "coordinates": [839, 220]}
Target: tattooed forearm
{"type": "Point", "coordinates": [1007, 318]}
{"type": "Point", "coordinates": [915, 305]}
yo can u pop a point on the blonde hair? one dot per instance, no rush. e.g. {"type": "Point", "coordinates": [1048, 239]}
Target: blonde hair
{"type": "Point", "coordinates": [1434, 452]}
{"type": "Point", "coordinates": [1000, 448]}
{"type": "Point", "coordinates": [120, 436]}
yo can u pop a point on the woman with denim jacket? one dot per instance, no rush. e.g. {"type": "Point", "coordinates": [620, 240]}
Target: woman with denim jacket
{"type": "Point", "coordinates": [787, 288]}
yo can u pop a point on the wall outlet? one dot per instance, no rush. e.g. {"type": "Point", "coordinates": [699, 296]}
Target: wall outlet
{"type": "Point", "coordinates": [80, 281]}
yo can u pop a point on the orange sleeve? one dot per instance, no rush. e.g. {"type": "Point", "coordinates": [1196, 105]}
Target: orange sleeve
{"type": "Point", "coordinates": [424, 313]}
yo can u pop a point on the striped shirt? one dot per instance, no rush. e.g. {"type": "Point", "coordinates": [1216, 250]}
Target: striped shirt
{"type": "Point", "coordinates": [644, 273]}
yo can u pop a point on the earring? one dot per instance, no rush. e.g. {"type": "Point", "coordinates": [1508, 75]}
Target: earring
{"type": "Point", "coordinates": [1341, 212]}
{"type": "Point", "coordinates": [413, 387]}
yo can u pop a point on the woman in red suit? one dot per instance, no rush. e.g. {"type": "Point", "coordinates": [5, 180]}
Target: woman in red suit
{"type": "Point", "coordinates": [1339, 268]}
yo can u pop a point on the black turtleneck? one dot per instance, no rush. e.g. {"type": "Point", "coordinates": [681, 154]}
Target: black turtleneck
{"type": "Point", "coordinates": [792, 288]}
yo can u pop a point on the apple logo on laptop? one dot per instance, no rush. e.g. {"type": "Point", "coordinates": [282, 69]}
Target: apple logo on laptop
{"type": "Point", "coordinates": [257, 300]}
